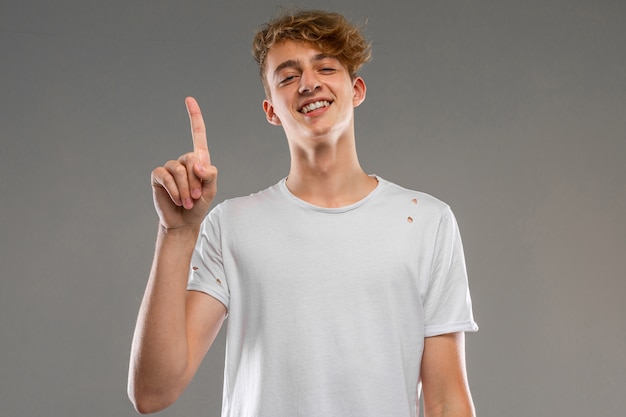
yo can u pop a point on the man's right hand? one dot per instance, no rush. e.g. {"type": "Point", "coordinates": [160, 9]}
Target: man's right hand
{"type": "Point", "coordinates": [175, 327]}
{"type": "Point", "coordinates": [184, 188]}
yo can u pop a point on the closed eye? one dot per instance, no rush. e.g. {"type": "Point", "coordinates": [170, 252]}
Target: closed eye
{"type": "Point", "coordinates": [288, 79]}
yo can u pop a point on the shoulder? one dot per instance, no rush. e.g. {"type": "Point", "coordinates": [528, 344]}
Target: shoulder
{"type": "Point", "coordinates": [392, 192]}
{"type": "Point", "coordinates": [251, 205]}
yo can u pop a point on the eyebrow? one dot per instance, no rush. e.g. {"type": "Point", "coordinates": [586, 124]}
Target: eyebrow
{"type": "Point", "coordinates": [292, 63]}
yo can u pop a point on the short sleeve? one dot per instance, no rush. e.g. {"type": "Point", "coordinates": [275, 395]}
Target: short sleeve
{"type": "Point", "coordinates": [447, 304]}
{"type": "Point", "coordinates": [206, 272]}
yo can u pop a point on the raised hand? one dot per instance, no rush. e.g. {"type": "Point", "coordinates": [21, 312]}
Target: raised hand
{"type": "Point", "coordinates": [184, 188]}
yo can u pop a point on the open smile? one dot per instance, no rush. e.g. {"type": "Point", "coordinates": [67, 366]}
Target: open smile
{"type": "Point", "coordinates": [314, 106]}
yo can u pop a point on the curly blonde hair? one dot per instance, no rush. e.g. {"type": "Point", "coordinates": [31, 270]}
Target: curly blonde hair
{"type": "Point", "coordinates": [329, 32]}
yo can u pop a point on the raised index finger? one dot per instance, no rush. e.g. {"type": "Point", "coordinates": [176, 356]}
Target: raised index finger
{"type": "Point", "coordinates": [198, 131]}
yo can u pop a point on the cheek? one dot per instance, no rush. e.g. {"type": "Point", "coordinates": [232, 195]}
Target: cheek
{"type": "Point", "coordinates": [282, 105]}
{"type": "Point", "coordinates": [279, 110]}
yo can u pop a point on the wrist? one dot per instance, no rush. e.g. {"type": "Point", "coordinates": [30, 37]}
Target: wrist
{"type": "Point", "coordinates": [179, 232]}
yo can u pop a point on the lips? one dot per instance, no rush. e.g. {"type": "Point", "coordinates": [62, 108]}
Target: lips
{"type": "Point", "coordinates": [309, 107]}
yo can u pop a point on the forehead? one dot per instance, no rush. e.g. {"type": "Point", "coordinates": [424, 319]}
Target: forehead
{"type": "Point", "coordinates": [291, 52]}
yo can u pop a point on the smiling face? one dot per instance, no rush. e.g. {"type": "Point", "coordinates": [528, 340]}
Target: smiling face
{"type": "Point", "coordinates": [311, 95]}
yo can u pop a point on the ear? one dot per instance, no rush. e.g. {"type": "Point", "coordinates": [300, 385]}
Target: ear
{"type": "Point", "coordinates": [359, 88]}
{"type": "Point", "coordinates": [271, 117]}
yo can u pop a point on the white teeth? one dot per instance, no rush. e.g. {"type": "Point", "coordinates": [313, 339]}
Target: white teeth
{"type": "Point", "coordinates": [313, 106]}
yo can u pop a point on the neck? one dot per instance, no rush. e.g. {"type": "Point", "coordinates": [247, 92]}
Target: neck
{"type": "Point", "coordinates": [328, 175]}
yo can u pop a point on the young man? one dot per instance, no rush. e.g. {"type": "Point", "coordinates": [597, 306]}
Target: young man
{"type": "Point", "coordinates": [345, 293]}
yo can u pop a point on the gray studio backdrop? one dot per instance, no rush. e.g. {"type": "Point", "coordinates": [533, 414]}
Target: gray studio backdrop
{"type": "Point", "coordinates": [513, 112]}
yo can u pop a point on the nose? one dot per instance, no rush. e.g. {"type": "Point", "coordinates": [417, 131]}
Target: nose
{"type": "Point", "coordinates": [309, 82]}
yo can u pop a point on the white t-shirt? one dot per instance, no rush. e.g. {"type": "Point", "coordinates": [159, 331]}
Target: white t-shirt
{"type": "Point", "coordinates": [328, 307]}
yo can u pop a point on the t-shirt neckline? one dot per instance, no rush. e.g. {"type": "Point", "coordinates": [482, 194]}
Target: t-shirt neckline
{"type": "Point", "coordinates": [331, 210]}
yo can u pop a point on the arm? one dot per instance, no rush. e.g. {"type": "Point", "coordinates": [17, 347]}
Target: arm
{"type": "Point", "coordinates": [175, 327]}
{"type": "Point", "coordinates": [444, 377]}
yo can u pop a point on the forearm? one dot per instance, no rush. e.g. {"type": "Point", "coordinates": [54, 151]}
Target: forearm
{"type": "Point", "coordinates": [159, 355]}
{"type": "Point", "coordinates": [463, 408]}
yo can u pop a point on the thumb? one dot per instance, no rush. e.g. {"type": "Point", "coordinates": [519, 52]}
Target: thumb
{"type": "Point", "coordinates": [208, 175]}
